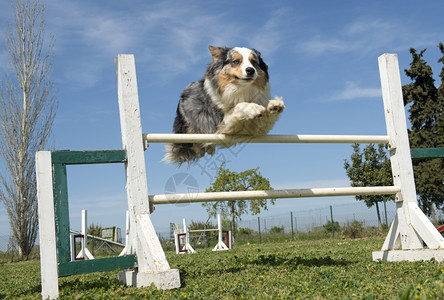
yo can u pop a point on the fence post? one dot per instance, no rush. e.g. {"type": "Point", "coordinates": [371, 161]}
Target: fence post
{"type": "Point", "coordinates": [295, 224]}
{"type": "Point", "coordinates": [332, 222]}
{"type": "Point", "coordinates": [292, 231]}
{"type": "Point", "coordinates": [259, 228]}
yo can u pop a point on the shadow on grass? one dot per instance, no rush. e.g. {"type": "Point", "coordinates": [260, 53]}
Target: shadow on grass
{"type": "Point", "coordinates": [103, 281]}
{"type": "Point", "coordinates": [275, 260]}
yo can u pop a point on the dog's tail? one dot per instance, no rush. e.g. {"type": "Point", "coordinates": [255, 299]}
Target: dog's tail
{"type": "Point", "coordinates": [181, 153]}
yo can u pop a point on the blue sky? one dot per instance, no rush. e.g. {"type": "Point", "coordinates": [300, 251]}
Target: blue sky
{"type": "Point", "coordinates": [322, 58]}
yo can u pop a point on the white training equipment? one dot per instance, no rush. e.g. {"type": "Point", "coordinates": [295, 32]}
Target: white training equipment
{"type": "Point", "coordinates": [187, 248]}
{"type": "Point", "coordinates": [220, 246]}
{"type": "Point", "coordinates": [84, 252]}
{"type": "Point", "coordinates": [404, 241]}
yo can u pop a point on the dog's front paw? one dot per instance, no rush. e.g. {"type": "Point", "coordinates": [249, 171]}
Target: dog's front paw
{"type": "Point", "coordinates": [254, 111]}
{"type": "Point", "coordinates": [249, 111]}
{"type": "Point", "coordinates": [276, 105]}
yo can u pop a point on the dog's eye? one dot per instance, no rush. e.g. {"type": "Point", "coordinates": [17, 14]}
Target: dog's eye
{"type": "Point", "coordinates": [236, 61]}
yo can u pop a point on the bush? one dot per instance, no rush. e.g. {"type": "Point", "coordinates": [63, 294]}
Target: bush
{"type": "Point", "coordinates": [331, 227]}
{"type": "Point", "coordinates": [202, 239]}
{"type": "Point", "coordinates": [354, 229]}
{"type": "Point", "coordinates": [277, 229]}
{"type": "Point", "coordinates": [245, 231]}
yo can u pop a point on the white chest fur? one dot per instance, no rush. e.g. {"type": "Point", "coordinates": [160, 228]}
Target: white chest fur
{"type": "Point", "coordinates": [237, 93]}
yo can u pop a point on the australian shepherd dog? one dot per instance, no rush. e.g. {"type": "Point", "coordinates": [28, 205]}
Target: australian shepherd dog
{"type": "Point", "coordinates": [232, 98]}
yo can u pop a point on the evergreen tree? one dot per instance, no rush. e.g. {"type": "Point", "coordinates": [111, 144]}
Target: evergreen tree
{"type": "Point", "coordinates": [425, 108]}
{"type": "Point", "coordinates": [440, 120]}
{"type": "Point", "coordinates": [228, 181]}
{"type": "Point", "coordinates": [370, 168]}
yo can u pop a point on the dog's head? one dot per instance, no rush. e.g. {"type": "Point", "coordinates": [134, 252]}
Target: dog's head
{"type": "Point", "coordinates": [239, 66]}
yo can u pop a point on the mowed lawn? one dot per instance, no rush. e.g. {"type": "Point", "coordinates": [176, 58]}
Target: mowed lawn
{"type": "Point", "coordinates": [322, 269]}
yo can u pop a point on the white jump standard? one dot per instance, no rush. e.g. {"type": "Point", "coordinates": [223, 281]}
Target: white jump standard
{"type": "Point", "coordinates": [187, 248]}
{"type": "Point", "coordinates": [221, 246]}
{"type": "Point", "coordinates": [144, 257]}
{"type": "Point", "coordinates": [185, 233]}
{"type": "Point", "coordinates": [410, 226]}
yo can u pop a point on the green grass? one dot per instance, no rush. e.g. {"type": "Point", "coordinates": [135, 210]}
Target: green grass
{"type": "Point", "coordinates": [323, 269]}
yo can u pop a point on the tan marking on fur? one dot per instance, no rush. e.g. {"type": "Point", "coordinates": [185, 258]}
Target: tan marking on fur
{"type": "Point", "coordinates": [236, 70]}
{"type": "Point", "coordinates": [215, 52]}
{"type": "Point", "coordinates": [261, 80]}
{"type": "Point", "coordinates": [226, 77]}
{"type": "Point", "coordinates": [239, 57]}
{"type": "Point", "coordinates": [252, 59]}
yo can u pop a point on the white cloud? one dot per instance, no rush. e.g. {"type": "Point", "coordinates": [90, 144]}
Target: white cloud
{"type": "Point", "coordinates": [318, 45]}
{"type": "Point", "coordinates": [325, 183]}
{"type": "Point", "coordinates": [171, 39]}
{"type": "Point", "coordinates": [271, 35]}
{"type": "Point", "coordinates": [365, 34]}
{"type": "Point", "coordinates": [353, 91]}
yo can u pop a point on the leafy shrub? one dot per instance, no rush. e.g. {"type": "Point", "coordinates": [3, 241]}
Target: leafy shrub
{"type": "Point", "coordinates": [95, 230]}
{"type": "Point", "coordinates": [331, 227]}
{"type": "Point", "coordinates": [201, 225]}
{"type": "Point", "coordinates": [245, 231]}
{"type": "Point", "coordinates": [354, 229]}
{"type": "Point", "coordinates": [277, 229]}
{"type": "Point", "coordinates": [202, 239]}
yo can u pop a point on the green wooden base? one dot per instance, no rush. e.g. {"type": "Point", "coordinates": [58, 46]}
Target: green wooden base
{"type": "Point", "coordinates": [419, 153]}
{"type": "Point", "coordinates": [97, 265]}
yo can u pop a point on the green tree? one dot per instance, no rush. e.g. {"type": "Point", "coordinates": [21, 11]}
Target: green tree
{"type": "Point", "coordinates": [371, 167]}
{"type": "Point", "coordinates": [229, 181]}
{"type": "Point", "coordinates": [440, 119]}
{"type": "Point", "coordinates": [426, 103]}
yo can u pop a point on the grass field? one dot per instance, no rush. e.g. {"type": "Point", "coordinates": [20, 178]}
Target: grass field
{"type": "Point", "coordinates": [323, 269]}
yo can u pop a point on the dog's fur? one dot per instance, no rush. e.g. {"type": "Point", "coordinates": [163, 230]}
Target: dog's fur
{"type": "Point", "coordinates": [232, 98]}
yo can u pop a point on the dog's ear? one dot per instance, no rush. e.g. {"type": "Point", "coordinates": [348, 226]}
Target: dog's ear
{"type": "Point", "coordinates": [262, 64]}
{"type": "Point", "coordinates": [216, 52]}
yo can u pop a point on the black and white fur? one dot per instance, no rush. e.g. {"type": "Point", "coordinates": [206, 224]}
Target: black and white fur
{"type": "Point", "coordinates": [232, 98]}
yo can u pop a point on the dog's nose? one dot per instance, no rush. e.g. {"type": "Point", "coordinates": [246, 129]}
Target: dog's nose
{"type": "Point", "coordinates": [250, 71]}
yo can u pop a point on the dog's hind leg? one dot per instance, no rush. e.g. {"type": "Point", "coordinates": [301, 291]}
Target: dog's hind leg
{"type": "Point", "coordinates": [180, 153]}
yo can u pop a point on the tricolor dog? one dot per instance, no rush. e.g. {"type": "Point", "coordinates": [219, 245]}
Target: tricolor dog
{"type": "Point", "coordinates": [232, 98]}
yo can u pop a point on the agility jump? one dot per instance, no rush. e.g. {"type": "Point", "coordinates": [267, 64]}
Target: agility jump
{"type": "Point", "coordinates": [145, 261]}
{"type": "Point", "coordinates": [187, 248]}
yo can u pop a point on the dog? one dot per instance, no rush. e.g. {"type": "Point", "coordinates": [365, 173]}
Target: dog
{"type": "Point", "coordinates": [232, 98]}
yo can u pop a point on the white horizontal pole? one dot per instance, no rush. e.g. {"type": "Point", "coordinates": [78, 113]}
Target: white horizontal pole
{"type": "Point", "coordinates": [272, 194]}
{"type": "Point", "coordinates": [99, 238]}
{"type": "Point", "coordinates": [203, 230]}
{"type": "Point", "coordinates": [221, 138]}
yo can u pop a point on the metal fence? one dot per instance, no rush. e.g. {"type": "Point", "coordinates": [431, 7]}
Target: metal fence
{"type": "Point", "coordinates": [314, 220]}
{"type": "Point", "coordinates": [299, 221]}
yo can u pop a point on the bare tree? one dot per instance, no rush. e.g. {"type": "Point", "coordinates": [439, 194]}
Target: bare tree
{"type": "Point", "coordinates": [27, 111]}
